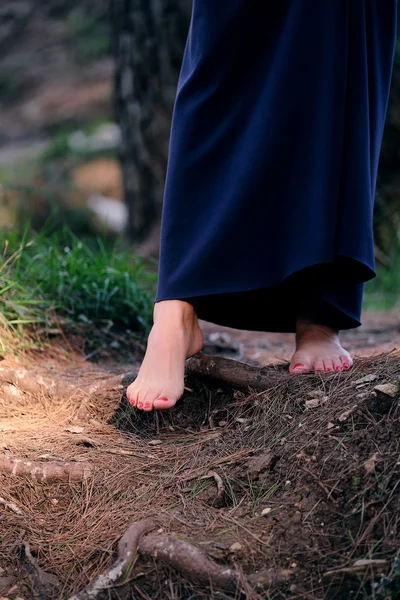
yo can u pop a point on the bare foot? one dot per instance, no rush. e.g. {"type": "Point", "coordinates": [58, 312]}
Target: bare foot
{"type": "Point", "coordinates": [175, 336]}
{"type": "Point", "coordinates": [318, 349]}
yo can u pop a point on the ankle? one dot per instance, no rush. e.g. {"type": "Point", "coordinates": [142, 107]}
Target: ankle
{"type": "Point", "coordinates": [306, 328]}
{"type": "Point", "coordinates": [175, 311]}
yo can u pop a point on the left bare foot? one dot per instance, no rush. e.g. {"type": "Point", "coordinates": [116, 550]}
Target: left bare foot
{"type": "Point", "coordinates": [318, 349]}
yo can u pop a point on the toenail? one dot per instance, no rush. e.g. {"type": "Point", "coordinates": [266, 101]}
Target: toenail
{"type": "Point", "coordinates": [140, 405]}
{"type": "Point", "coordinates": [163, 398]}
{"type": "Point", "coordinates": [329, 370]}
{"type": "Point", "coordinates": [299, 366]}
{"type": "Point", "coordinates": [147, 406]}
{"type": "Point", "coordinates": [346, 367]}
{"type": "Point", "coordinates": [338, 368]}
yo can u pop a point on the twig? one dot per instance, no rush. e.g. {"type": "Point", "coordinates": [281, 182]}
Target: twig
{"type": "Point", "coordinates": [220, 486]}
{"type": "Point", "coordinates": [319, 482]}
{"type": "Point", "coordinates": [11, 506]}
{"type": "Point", "coordinates": [46, 584]}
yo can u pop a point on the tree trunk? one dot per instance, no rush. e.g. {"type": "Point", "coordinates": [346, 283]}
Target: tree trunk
{"type": "Point", "coordinates": [149, 38]}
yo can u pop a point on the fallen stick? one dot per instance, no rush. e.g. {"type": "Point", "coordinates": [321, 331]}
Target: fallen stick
{"type": "Point", "coordinates": [45, 471]}
{"type": "Point", "coordinates": [184, 557]}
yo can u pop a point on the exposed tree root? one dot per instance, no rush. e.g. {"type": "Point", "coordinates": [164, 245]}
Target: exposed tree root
{"type": "Point", "coordinates": [232, 372]}
{"type": "Point", "coordinates": [189, 560]}
{"type": "Point", "coordinates": [184, 557]}
{"type": "Point", "coordinates": [45, 471]}
{"type": "Point", "coordinates": [127, 547]}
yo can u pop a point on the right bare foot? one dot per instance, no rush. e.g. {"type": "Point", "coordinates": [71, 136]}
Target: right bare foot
{"type": "Point", "coordinates": [175, 336]}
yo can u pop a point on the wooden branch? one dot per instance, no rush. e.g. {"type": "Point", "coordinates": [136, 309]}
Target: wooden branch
{"type": "Point", "coordinates": [232, 372]}
{"type": "Point", "coordinates": [184, 557]}
{"type": "Point", "coordinates": [45, 471]}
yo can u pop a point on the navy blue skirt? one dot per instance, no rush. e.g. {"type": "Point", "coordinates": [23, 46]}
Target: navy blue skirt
{"type": "Point", "coordinates": [273, 160]}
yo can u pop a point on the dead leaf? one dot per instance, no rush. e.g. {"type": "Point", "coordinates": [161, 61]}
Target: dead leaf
{"type": "Point", "coordinates": [366, 379]}
{"type": "Point", "coordinates": [256, 464]}
{"type": "Point", "coordinates": [345, 415]}
{"type": "Point", "coordinates": [75, 429]}
{"type": "Point", "coordinates": [388, 389]}
{"type": "Point", "coordinates": [369, 464]}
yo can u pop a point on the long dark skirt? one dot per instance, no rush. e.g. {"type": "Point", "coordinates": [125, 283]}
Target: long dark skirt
{"type": "Point", "coordinates": [273, 159]}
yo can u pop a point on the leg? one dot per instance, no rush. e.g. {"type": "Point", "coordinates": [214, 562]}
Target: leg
{"type": "Point", "coordinates": [175, 336]}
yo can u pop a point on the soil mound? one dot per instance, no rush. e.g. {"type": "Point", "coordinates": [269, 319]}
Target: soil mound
{"type": "Point", "coordinates": [290, 492]}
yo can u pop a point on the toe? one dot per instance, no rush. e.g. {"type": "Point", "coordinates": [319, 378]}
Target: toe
{"type": "Point", "coordinates": [337, 363]}
{"type": "Point", "coordinates": [319, 366]}
{"type": "Point", "coordinates": [165, 400]}
{"type": "Point", "coordinates": [299, 364]}
{"type": "Point", "coordinates": [132, 395]}
{"type": "Point", "coordinates": [140, 400]}
{"type": "Point", "coordinates": [346, 362]}
{"type": "Point", "coordinates": [328, 365]}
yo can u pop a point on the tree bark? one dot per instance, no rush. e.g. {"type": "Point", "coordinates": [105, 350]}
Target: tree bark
{"type": "Point", "coordinates": [148, 41]}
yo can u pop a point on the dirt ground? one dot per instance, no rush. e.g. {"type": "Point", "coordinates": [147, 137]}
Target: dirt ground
{"type": "Point", "coordinates": [291, 492]}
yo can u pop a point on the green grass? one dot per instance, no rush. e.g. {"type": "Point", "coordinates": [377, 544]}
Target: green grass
{"type": "Point", "coordinates": [54, 273]}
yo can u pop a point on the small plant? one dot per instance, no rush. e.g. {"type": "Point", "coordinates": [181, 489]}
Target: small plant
{"type": "Point", "coordinates": [54, 272]}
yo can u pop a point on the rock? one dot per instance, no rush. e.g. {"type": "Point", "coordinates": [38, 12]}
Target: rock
{"type": "Point", "coordinates": [75, 429]}
{"type": "Point", "coordinates": [220, 546]}
{"type": "Point", "coordinates": [266, 511]}
{"type": "Point", "coordinates": [315, 402]}
{"type": "Point", "coordinates": [236, 547]}
{"type": "Point", "coordinates": [387, 389]}
{"type": "Point", "coordinates": [369, 464]}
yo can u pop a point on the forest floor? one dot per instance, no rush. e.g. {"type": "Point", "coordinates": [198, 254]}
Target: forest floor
{"type": "Point", "coordinates": [289, 492]}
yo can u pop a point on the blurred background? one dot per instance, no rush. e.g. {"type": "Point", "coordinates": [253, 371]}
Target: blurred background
{"type": "Point", "coordinates": [86, 95]}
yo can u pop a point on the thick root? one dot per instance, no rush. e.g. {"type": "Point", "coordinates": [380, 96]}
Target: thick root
{"type": "Point", "coordinates": [45, 471]}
